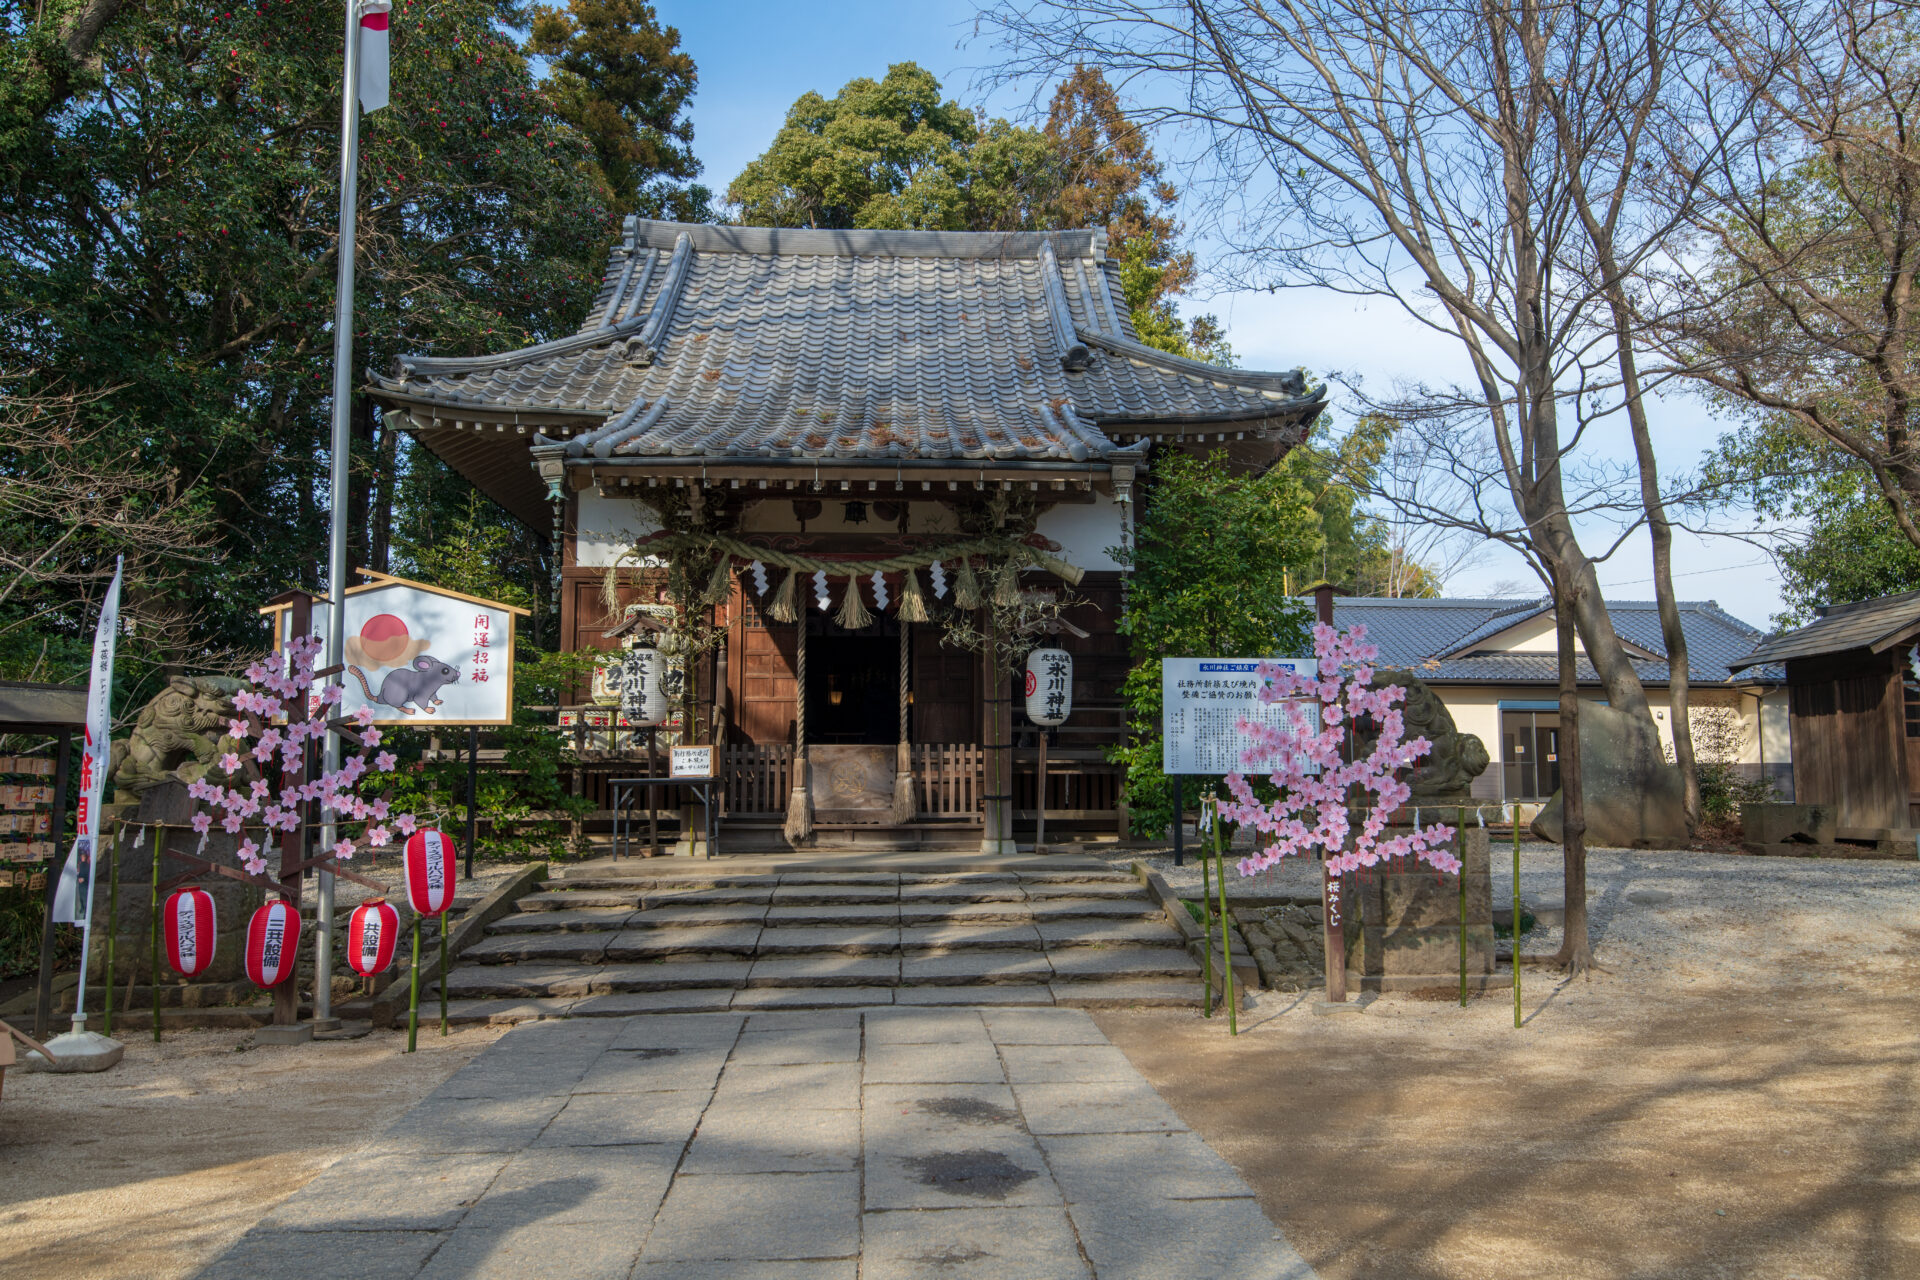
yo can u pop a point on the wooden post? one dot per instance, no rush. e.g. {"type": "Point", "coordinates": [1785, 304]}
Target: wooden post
{"type": "Point", "coordinates": [286, 996]}
{"type": "Point", "coordinates": [43, 1001]}
{"type": "Point", "coordinates": [153, 927]}
{"type": "Point", "coordinates": [113, 927]}
{"type": "Point", "coordinates": [1333, 927]}
{"type": "Point", "coordinates": [473, 790]}
{"type": "Point", "coordinates": [653, 792]}
{"type": "Point", "coordinates": [1040, 823]}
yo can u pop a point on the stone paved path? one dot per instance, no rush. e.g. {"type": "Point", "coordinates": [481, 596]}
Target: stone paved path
{"type": "Point", "coordinates": [965, 1144]}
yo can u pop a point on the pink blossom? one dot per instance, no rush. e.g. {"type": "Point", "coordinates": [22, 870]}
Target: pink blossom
{"type": "Point", "coordinates": [379, 836]}
{"type": "Point", "coordinates": [363, 716]}
{"type": "Point", "coordinates": [202, 823]}
{"type": "Point", "coordinates": [231, 823]}
{"type": "Point", "coordinates": [260, 788]}
{"type": "Point", "coordinates": [371, 737]}
{"type": "Point", "coordinates": [343, 849]}
{"type": "Point", "coordinates": [385, 761]}
{"type": "Point", "coordinates": [405, 823]}
{"type": "Point", "coordinates": [230, 762]}
{"type": "Point", "coordinates": [238, 728]}
{"type": "Point", "coordinates": [330, 695]}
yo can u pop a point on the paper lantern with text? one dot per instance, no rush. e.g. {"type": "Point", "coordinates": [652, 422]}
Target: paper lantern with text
{"type": "Point", "coordinates": [429, 871]}
{"type": "Point", "coordinates": [372, 932]}
{"type": "Point", "coordinates": [188, 922]}
{"type": "Point", "coordinates": [643, 688]}
{"type": "Point", "coordinates": [1049, 686]}
{"type": "Point", "coordinates": [273, 941]}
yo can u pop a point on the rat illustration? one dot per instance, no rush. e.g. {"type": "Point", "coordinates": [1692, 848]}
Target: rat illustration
{"type": "Point", "coordinates": [418, 682]}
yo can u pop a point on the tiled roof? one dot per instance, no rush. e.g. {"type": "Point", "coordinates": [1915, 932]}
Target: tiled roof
{"type": "Point", "coordinates": [1417, 634]}
{"type": "Point", "coordinates": [750, 342]}
{"type": "Point", "coordinates": [1869, 624]}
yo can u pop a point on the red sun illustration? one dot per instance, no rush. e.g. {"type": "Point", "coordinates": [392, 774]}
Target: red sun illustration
{"type": "Point", "coordinates": [384, 641]}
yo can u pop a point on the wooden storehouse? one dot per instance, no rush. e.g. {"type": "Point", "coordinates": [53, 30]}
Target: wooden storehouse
{"type": "Point", "coordinates": [783, 417]}
{"type": "Point", "coordinates": [1853, 712]}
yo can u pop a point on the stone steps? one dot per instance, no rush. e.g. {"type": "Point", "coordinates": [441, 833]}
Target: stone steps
{"type": "Point", "coordinates": [701, 940]}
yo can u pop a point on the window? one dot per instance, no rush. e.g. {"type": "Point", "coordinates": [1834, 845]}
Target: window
{"type": "Point", "coordinates": [1530, 754]}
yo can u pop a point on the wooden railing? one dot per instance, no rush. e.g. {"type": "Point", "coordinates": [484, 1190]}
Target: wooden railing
{"type": "Point", "coordinates": [758, 780]}
{"type": "Point", "coordinates": [949, 780]}
{"type": "Point", "coordinates": [1082, 787]}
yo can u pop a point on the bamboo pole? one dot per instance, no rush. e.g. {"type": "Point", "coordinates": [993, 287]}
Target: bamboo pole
{"type": "Point", "coordinates": [113, 926]}
{"type": "Point", "coordinates": [1516, 915]}
{"type": "Point", "coordinates": [1226, 929]}
{"type": "Point", "coordinates": [1206, 924]}
{"type": "Point", "coordinates": [413, 1000]}
{"type": "Point", "coordinates": [153, 933]}
{"type": "Point", "coordinates": [1460, 842]}
{"type": "Point", "coordinates": [443, 973]}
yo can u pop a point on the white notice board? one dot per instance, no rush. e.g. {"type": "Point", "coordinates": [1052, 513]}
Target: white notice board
{"type": "Point", "coordinates": [1203, 701]}
{"type": "Point", "coordinates": [690, 762]}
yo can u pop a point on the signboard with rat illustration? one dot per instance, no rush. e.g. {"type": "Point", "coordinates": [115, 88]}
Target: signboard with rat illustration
{"type": "Point", "coordinates": [421, 655]}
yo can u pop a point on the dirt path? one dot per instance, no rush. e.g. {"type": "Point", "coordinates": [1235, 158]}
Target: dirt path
{"type": "Point", "coordinates": [155, 1167]}
{"type": "Point", "coordinates": [1739, 1097]}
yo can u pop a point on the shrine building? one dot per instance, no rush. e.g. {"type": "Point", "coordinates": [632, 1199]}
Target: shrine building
{"type": "Point", "coordinates": [844, 478]}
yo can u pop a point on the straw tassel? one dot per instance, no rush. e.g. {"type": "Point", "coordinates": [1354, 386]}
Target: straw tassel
{"type": "Point", "coordinates": [781, 609]}
{"type": "Point", "coordinates": [1006, 586]}
{"type": "Point", "coordinates": [720, 585]}
{"type": "Point", "coordinates": [913, 605]}
{"type": "Point", "coordinates": [853, 613]}
{"type": "Point", "coordinates": [966, 587]}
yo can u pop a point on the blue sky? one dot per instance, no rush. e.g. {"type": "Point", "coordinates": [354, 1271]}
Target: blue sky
{"type": "Point", "coordinates": [756, 57]}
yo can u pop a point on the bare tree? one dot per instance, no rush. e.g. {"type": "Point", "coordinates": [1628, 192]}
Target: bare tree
{"type": "Point", "coordinates": [1801, 298]}
{"type": "Point", "coordinates": [72, 499]}
{"type": "Point", "coordinates": [1409, 151]}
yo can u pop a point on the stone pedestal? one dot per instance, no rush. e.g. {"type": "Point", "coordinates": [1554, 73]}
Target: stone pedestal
{"type": "Point", "coordinates": [165, 812]}
{"type": "Point", "coordinates": [1403, 923]}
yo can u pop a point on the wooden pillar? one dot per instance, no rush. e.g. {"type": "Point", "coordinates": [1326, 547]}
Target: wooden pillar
{"type": "Point", "coordinates": [800, 799]}
{"type": "Point", "coordinates": [903, 802]}
{"type": "Point", "coordinates": [997, 738]}
{"type": "Point", "coordinates": [1333, 929]}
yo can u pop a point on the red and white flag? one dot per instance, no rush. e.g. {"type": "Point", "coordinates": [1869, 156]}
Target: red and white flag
{"type": "Point", "coordinates": [429, 870]}
{"type": "Point", "coordinates": [189, 922]}
{"type": "Point", "coordinates": [273, 940]}
{"type": "Point", "coordinates": [371, 935]}
{"type": "Point", "coordinates": [374, 16]}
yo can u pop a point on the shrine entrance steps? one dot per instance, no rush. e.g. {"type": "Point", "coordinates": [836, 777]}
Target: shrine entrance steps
{"type": "Point", "coordinates": [680, 936]}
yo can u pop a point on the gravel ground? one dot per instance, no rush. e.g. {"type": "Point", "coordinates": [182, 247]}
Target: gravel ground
{"type": "Point", "coordinates": [1828, 903]}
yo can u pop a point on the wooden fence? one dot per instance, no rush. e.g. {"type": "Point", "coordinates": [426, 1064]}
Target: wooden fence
{"type": "Point", "coordinates": [949, 780]}
{"type": "Point", "coordinates": [759, 780]}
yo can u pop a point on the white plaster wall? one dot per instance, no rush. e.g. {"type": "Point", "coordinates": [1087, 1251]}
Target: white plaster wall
{"type": "Point", "coordinates": [607, 527]}
{"type": "Point", "coordinates": [1776, 741]}
{"type": "Point", "coordinates": [1086, 530]}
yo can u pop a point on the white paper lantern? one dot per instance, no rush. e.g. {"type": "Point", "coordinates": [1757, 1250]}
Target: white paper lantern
{"type": "Point", "coordinates": [1049, 686]}
{"type": "Point", "coordinates": [643, 688]}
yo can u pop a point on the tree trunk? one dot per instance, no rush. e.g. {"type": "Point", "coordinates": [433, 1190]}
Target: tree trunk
{"type": "Point", "coordinates": [1576, 953]}
{"type": "Point", "coordinates": [380, 518]}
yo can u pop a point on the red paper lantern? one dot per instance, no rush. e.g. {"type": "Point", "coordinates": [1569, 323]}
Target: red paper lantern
{"type": "Point", "coordinates": [429, 865]}
{"type": "Point", "coordinates": [273, 940]}
{"type": "Point", "coordinates": [187, 920]}
{"type": "Point", "coordinates": [371, 934]}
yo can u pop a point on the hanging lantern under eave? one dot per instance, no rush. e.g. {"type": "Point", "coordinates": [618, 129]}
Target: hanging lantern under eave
{"type": "Point", "coordinates": [188, 923]}
{"type": "Point", "coordinates": [643, 688]}
{"type": "Point", "coordinates": [273, 941]}
{"type": "Point", "coordinates": [372, 932]}
{"type": "Point", "coordinates": [1049, 686]}
{"type": "Point", "coordinates": [428, 864]}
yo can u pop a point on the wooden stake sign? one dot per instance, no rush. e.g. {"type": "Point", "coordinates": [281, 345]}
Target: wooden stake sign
{"type": "Point", "coordinates": [429, 863]}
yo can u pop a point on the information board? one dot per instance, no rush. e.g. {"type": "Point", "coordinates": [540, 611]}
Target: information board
{"type": "Point", "coordinates": [1203, 701]}
{"type": "Point", "coordinates": [690, 762]}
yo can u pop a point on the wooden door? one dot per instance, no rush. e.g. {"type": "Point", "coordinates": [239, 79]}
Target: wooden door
{"type": "Point", "coordinates": [761, 659]}
{"type": "Point", "coordinates": [945, 706]}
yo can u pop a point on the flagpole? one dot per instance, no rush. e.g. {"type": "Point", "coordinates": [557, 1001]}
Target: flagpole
{"type": "Point", "coordinates": [85, 855]}
{"type": "Point", "coordinates": [340, 455]}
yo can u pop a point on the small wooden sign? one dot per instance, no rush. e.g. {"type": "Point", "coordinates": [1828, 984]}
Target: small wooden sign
{"type": "Point", "coordinates": [690, 762]}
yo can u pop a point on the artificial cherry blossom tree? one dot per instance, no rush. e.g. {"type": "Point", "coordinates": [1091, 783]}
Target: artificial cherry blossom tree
{"type": "Point", "coordinates": [1318, 785]}
{"type": "Point", "coordinates": [247, 794]}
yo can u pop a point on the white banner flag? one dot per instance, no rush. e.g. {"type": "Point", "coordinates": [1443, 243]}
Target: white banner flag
{"type": "Point", "coordinates": [374, 16]}
{"type": "Point", "coordinates": [73, 896]}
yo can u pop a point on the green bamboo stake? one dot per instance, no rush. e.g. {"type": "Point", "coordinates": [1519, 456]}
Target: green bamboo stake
{"type": "Point", "coordinates": [153, 936]}
{"type": "Point", "coordinates": [1226, 934]}
{"type": "Point", "coordinates": [113, 926]}
{"type": "Point", "coordinates": [1460, 843]}
{"type": "Point", "coordinates": [413, 1001]}
{"type": "Point", "coordinates": [1206, 928]}
{"type": "Point", "coordinates": [1516, 917]}
{"type": "Point", "coordinates": [443, 973]}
